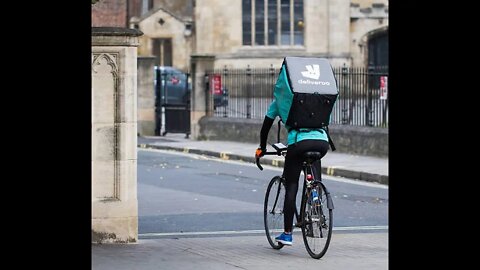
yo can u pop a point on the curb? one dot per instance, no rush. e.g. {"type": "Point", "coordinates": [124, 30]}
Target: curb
{"type": "Point", "coordinates": [332, 170]}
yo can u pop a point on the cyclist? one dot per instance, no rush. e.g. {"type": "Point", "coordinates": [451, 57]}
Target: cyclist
{"type": "Point", "coordinates": [299, 142]}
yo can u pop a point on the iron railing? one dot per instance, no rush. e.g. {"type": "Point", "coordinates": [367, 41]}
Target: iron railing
{"type": "Point", "coordinates": [362, 99]}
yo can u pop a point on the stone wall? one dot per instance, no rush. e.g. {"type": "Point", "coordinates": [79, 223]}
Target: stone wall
{"type": "Point", "coordinates": [199, 98]}
{"type": "Point", "coordinates": [146, 96]}
{"type": "Point", "coordinates": [183, 8]}
{"type": "Point", "coordinates": [347, 139]}
{"type": "Point", "coordinates": [218, 26]}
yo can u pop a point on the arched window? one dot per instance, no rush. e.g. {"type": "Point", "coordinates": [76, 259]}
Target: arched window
{"type": "Point", "coordinates": [273, 22]}
{"type": "Point", "coordinates": [378, 49]}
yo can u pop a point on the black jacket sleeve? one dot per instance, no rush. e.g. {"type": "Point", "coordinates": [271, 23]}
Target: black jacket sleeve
{"type": "Point", "coordinates": [267, 124]}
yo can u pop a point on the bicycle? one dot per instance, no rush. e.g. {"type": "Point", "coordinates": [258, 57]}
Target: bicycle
{"type": "Point", "coordinates": [316, 210]}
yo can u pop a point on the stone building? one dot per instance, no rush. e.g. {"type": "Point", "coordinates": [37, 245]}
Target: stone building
{"type": "Point", "coordinates": [169, 37]}
{"type": "Point", "coordinates": [260, 33]}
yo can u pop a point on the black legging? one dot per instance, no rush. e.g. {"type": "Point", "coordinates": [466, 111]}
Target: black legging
{"type": "Point", "coordinates": [291, 172]}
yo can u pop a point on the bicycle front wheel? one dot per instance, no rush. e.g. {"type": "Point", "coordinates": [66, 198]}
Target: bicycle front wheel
{"type": "Point", "coordinates": [273, 210]}
{"type": "Point", "coordinates": [317, 222]}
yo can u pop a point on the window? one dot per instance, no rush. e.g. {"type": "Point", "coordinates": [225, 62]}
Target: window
{"type": "Point", "coordinates": [378, 49]}
{"type": "Point", "coordinates": [298, 22]}
{"type": "Point", "coordinates": [285, 22]}
{"type": "Point", "coordinates": [259, 22]}
{"type": "Point", "coordinates": [247, 22]}
{"type": "Point", "coordinates": [272, 22]}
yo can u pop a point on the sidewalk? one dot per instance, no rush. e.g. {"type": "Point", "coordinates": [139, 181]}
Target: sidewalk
{"type": "Point", "coordinates": [359, 251]}
{"type": "Point", "coordinates": [365, 168]}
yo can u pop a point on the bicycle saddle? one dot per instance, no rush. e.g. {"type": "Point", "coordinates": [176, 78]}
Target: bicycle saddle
{"type": "Point", "coordinates": [312, 156]}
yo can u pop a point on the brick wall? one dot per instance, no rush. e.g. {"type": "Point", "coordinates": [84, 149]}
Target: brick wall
{"type": "Point", "coordinates": [111, 13]}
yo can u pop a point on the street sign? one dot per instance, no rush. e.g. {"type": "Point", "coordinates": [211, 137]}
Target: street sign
{"type": "Point", "coordinates": [216, 84]}
{"type": "Point", "coordinates": [383, 87]}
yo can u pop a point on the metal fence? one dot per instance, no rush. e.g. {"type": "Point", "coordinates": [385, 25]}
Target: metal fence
{"type": "Point", "coordinates": [362, 99]}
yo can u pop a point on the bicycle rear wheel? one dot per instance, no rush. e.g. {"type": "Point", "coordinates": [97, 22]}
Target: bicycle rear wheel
{"type": "Point", "coordinates": [317, 223]}
{"type": "Point", "coordinates": [273, 210]}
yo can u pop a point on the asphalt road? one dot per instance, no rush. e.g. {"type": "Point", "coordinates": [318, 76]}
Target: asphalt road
{"type": "Point", "coordinates": [179, 193]}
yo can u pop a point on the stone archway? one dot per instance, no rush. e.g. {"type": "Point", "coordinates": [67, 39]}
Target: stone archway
{"type": "Point", "coordinates": [375, 47]}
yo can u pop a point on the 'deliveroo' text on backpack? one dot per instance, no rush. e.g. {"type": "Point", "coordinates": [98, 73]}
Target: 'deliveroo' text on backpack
{"type": "Point", "coordinates": [305, 92]}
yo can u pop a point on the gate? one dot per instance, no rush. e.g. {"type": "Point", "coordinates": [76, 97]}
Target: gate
{"type": "Point", "coordinates": [172, 101]}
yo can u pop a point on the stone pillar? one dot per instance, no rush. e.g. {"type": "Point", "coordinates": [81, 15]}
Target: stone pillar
{"type": "Point", "coordinates": [146, 95]}
{"type": "Point", "coordinates": [339, 32]}
{"type": "Point", "coordinates": [200, 65]}
{"type": "Point", "coordinates": [114, 135]}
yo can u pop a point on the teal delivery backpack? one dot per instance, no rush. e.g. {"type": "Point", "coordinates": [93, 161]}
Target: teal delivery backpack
{"type": "Point", "coordinates": [305, 92]}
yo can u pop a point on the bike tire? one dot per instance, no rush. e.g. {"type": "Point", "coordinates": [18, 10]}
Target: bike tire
{"type": "Point", "coordinates": [316, 231]}
{"type": "Point", "coordinates": [273, 210]}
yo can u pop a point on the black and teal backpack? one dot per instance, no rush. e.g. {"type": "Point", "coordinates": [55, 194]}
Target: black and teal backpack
{"type": "Point", "coordinates": [305, 92]}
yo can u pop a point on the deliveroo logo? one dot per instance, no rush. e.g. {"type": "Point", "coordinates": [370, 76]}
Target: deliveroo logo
{"type": "Point", "coordinates": [312, 72]}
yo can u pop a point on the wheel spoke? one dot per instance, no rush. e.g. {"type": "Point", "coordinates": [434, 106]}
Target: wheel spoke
{"type": "Point", "coordinates": [317, 230]}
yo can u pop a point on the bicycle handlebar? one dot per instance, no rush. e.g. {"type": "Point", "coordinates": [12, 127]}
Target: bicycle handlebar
{"type": "Point", "coordinates": [257, 161]}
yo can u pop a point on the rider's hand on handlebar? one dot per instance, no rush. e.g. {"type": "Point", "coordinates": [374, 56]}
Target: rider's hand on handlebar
{"type": "Point", "coordinates": [260, 152]}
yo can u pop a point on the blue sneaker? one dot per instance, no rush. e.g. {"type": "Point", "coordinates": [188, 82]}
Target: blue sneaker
{"type": "Point", "coordinates": [285, 239]}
